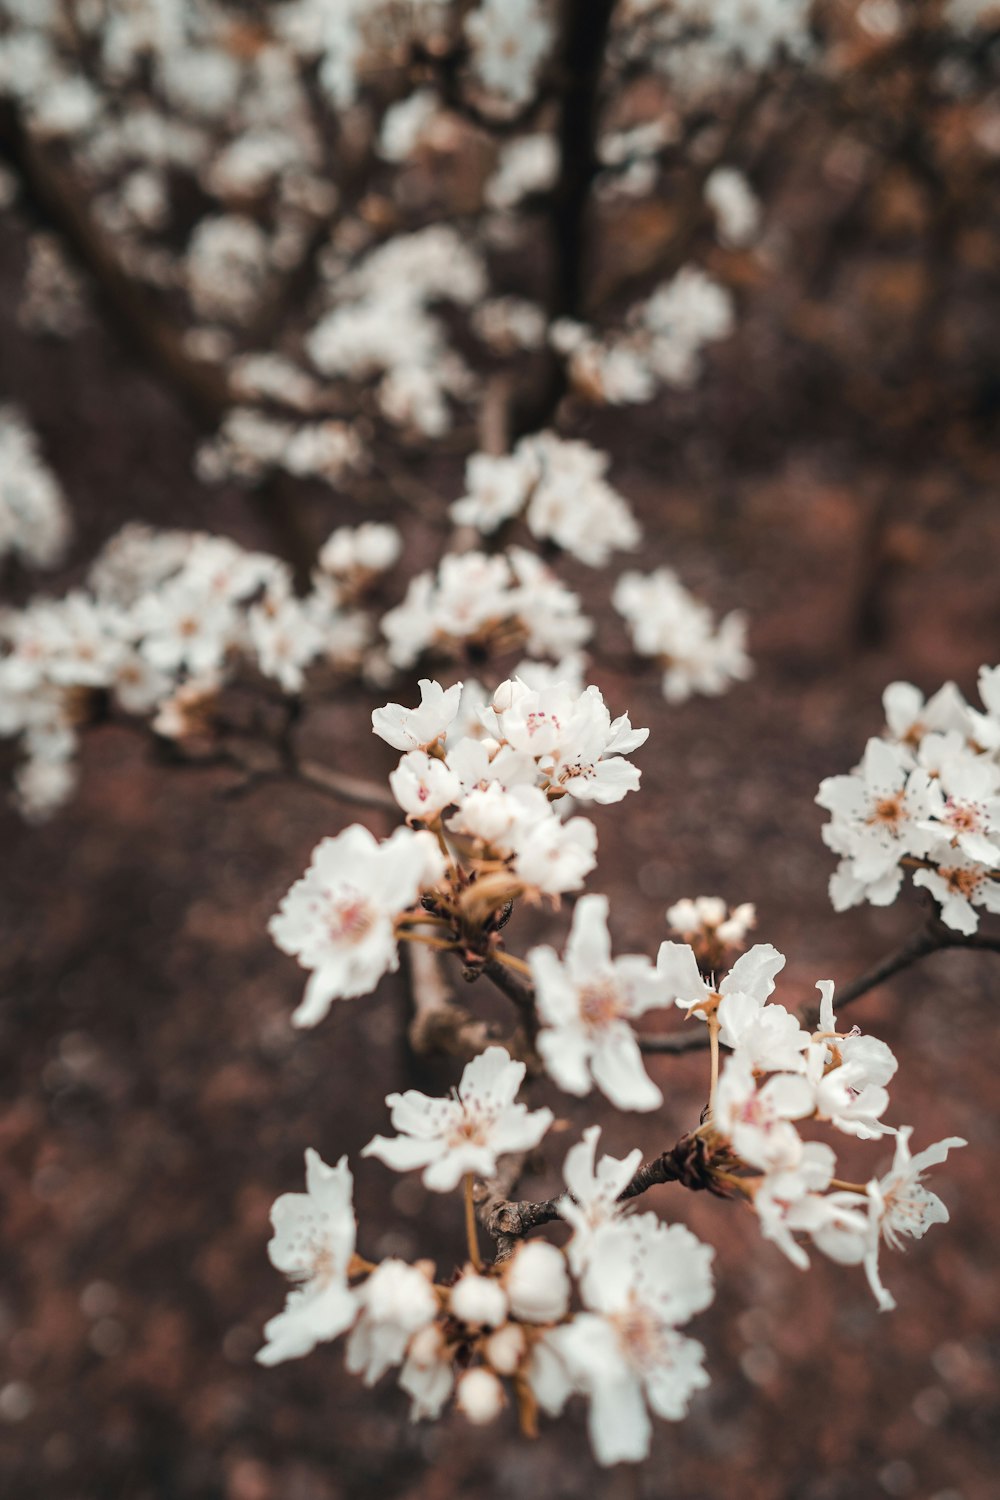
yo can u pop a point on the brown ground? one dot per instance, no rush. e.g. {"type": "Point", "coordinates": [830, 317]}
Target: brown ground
{"type": "Point", "coordinates": [155, 1099]}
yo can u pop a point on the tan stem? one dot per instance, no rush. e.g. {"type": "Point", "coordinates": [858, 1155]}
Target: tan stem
{"type": "Point", "coordinates": [471, 1232]}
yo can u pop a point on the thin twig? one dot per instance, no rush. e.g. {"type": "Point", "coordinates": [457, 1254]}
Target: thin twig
{"type": "Point", "coordinates": [439, 1025]}
{"type": "Point", "coordinates": [353, 789]}
{"type": "Point", "coordinates": [933, 938]}
{"type": "Point", "coordinates": [688, 1162]}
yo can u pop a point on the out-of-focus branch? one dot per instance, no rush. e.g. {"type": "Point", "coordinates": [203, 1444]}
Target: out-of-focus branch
{"type": "Point", "coordinates": [585, 29]}
{"type": "Point", "coordinates": [52, 191]}
{"type": "Point", "coordinates": [352, 789]}
{"type": "Point", "coordinates": [201, 388]}
{"type": "Point", "coordinates": [438, 1024]}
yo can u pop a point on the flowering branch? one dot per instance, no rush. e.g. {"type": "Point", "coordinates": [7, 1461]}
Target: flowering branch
{"type": "Point", "coordinates": [688, 1162]}
{"type": "Point", "coordinates": [932, 938]}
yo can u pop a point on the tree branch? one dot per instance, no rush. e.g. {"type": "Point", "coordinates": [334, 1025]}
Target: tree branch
{"type": "Point", "coordinates": [585, 29]}
{"type": "Point", "coordinates": [438, 1024]}
{"type": "Point", "coordinates": [688, 1162]}
{"type": "Point", "coordinates": [932, 938]}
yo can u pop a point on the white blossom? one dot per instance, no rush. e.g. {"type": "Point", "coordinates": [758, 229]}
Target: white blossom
{"type": "Point", "coordinates": [756, 1117]}
{"type": "Point", "coordinates": [586, 1002]}
{"type": "Point", "coordinates": [593, 1193]}
{"type": "Point", "coordinates": [395, 1302]}
{"type": "Point", "coordinates": [537, 1283]}
{"type": "Point", "coordinates": [668, 623]}
{"type": "Point", "coordinates": [478, 1300]}
{"type": "Point", "coordinates": [479, 1396]}
{"type": "Point", "coordinates": [314, 1235]}
{"type": "Point", "coordinates": [449, 1138]}
{"type": "Point", "coordinates": [624, 1352]}
{"type": "Point", "coordinates": [419, 728]}
{"type": "Point", "coordinates": [337, 920]}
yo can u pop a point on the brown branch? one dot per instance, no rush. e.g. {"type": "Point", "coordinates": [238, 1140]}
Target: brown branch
{"type": "Point", "coordinates": [932, 938]}
{"type": "Point", "coordinates": [353, 789]}
{"type": "Point", "coordinates": [52, 191]}
{"type": "Point", "coordinates": [438, 1024]}
{"type": "Point", "coordinates": [585, 29]}
{"type": "Point", "coordinates": [521, 993]}
{"type": "Point", "coordinates": [201, 388]}
{"type": "Point", "coordinates": [688, 1162]}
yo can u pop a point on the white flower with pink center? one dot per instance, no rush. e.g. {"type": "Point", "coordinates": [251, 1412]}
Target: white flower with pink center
{"type": "Point", "coordinates": [586, 1003]}
{"type": "Point", "coordinates": [338, 920]}
{"type": "Point", "coordinates": [756, 1118]}
{"type": "Point", "coordinates": [643, 1279]}
{"type": "Point", "coordinates": [449, 1138]}
{"type": "Point", "coordinates": [314, 1235]}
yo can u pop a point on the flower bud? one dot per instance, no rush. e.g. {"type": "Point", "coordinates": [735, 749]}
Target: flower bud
{"type": "Point", "coordinates": [426, 1345]}
{"type": "Point", "coordinates": [537, 1283]}
{"type": "Point", "coordinates": [478, 1300]}
{"type": "Point", "coordinates": [711, 910]}
{"type": "Point", "coordinates": [505, 1348]}
{"type": "Point", "coordinates": [479, 1396]}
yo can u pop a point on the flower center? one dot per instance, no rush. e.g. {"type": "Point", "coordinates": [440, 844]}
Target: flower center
{"type": "Point", "coordinates": [888, 810]}
{"type": "Point", "coordinates": [349, 918]}
{"type": "Point", "coordinates": [600, 1003]}
{"type": "Point", "coordinates": [966, 817]}
{"type": "Point", "coordinates": [962, 881]}
{"type": "Point", "coordinates": [640, 1336]}
{"type": "Point", "coordinates": [466, 1130]}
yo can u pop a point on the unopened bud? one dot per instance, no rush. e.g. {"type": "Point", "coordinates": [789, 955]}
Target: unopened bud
{"type": "Point", "coordinates": [537, 1283]}
{"type": "Point", "coordinates": [479, 1396]}
{"type": "Point", "coordinates": [478, 1300]}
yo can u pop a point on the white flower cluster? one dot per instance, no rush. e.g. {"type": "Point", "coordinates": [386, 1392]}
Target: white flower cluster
{"type": "Point", "coordinates": [668, 623]}
{"type": "Point", "coordinates": [492, 803]}
{"type": "Point", "coordinates": [510, 40]}
{"type": "Point", "coordinates": [637, 1281]}
{"type": "Point", "coordinates": [779, 1074]}
{"type": "Point", "coordinates": [926, 797]}
{"type": "Point", "coordinates": [561, 489]}
{"type": "Point", "coordinates": [34, 519]}
{"type": "Point", "coordinates": [381, 325]}
{"type": "Point", "coordinates": [355, 37]}
{"type": "Point", "coordinates": [661, 343]}
{"type": "Point", "coordinates": [165, 619]}
{"type": "Point", "coordinates": [250, 445]}
{"type": "Point", "coordinates": [482, 787]}
{"type": "Point", "coordinates": [735, 205]}
{"type": "Point", "coordinates": [529, 164]}
{"type": "Point", "coordinates": [702, 45]}
{"type": "Point", "coordinates": [476, 604]}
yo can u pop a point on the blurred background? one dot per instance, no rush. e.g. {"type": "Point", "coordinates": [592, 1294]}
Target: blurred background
{"type": "Point", "coordinates": [827, 465]}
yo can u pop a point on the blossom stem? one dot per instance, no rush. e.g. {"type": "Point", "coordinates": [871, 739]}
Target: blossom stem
{"type": "Point", "coordinates": [512, 962]}
{"type": "Point", "coordinates": [848, 1187]}
{"type": "Point", "coordinates": [713, 1042]}
{"type": "Point", "coordinates": [470, 1225]}
{"type": "Point", "coordinates": [431, 942]}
